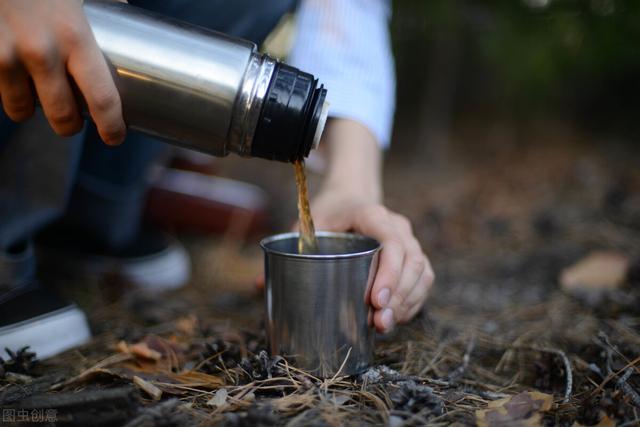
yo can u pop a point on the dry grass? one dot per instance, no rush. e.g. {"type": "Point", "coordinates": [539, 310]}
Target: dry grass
{"type": "Point", "coordinates": [499, 226]}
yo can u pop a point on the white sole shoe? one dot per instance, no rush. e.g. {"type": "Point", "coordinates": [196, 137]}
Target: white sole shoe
{"type": "Point", "coordinates": [35, 318]}
{"type": "Point", "coordinates": [154, 262]}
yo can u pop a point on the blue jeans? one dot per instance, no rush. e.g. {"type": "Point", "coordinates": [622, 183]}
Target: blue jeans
{"type": "Point", "coordinates": [100, 190]}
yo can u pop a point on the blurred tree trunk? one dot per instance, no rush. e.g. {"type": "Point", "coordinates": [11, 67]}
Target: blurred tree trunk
{"type": "Point", "coordinates": [437, 100]}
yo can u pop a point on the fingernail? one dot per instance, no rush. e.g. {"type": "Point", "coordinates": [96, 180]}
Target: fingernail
{"type": "Point", "coordinates": [113, 142]}
{"type": "Point", "coordinates": [383, 297]}
{"type": "Point", "coordinates": [387, 319]}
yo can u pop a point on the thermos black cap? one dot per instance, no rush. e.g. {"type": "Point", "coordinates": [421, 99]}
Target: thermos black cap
{"type": "Point", "coordinates": [290, 115]}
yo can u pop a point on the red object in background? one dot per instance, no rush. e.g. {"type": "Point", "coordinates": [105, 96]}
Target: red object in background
{"type": "Point", "coordinates": [194, 161]}
{"type": "Point", "coordinates": [187, 201]}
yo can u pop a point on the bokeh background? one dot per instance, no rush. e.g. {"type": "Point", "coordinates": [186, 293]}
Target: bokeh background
{"type": "Point", "coordinates": [574, 60]}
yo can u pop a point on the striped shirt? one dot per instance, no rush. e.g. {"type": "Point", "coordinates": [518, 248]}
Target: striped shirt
{"type": "Point", "coordinates": [346, 45]}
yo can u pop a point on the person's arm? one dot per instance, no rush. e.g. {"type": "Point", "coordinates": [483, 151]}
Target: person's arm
{"type": "Point", "coordinates": [345, 43]}
{"type": "Point", "coordinates": [47, 45]}
{"type": "Point", "coordinates": [351, 199]}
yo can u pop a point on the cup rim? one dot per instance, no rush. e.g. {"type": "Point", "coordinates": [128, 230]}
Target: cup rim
{"type": "Point", "coordinates": [294, 234]}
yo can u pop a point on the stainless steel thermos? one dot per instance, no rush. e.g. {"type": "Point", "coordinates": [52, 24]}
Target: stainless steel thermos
{"type": "Point", "coordinates": [204, 90]}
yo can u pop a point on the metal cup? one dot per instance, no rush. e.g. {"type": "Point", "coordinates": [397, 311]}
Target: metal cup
{"type": "Point", "coordinates": [317, 308]}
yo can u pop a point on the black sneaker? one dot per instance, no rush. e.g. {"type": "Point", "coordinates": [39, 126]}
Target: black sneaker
{"type": "Point", "coordinates": [32, 316]}
{"type": "Point", "coordinates": [154, 261]}
{"type": "Point", "coordinates": [35, 317]}
{"type": "Point", "coordinates": [17, 265]}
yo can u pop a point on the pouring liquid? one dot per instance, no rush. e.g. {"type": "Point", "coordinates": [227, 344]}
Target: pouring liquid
{"type": "Point", "coordinates": [307, 242]}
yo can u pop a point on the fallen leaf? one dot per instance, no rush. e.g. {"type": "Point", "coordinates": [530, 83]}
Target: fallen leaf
{"type": "Point", "coordinates": [166, 347]}
{"type": "Point", "coordinates": [198, 379]}
{"type": "Point", "coordinates": [123, 347]}
{"type": "Point", "coordinates": [147, 387]}
{"type": "Point", "coordinates": [523, 409]}
{"type": "Point", "coordinates": [140, 349]}
{"type": "Point", "coordinates": [98, 369]}
{"type": "Point", "coordinates": [599, 271]}
{"type": "Point", "coordinates": [187, 325]}
{"type": "Point", "coordinates": [87, 376]}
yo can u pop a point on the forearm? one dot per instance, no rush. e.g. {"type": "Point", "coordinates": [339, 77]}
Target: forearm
{"type": "Point", "coordinates": [354, 161]}
{"type": "Point", "coordinates": [350, 199]}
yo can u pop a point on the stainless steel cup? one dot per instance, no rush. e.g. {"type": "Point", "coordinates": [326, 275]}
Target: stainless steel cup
{"type": "Point", "coordinates": [316, 305]}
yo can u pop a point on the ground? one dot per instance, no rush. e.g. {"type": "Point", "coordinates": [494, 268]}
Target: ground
{"type": "Point", "coordinates": [501, 209]}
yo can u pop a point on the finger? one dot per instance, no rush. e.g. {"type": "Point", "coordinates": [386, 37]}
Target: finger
{"type": "Point", "coordinates": [428, 278]}
{"type": "Point", "coordinates": [388, 275]}
{"type": "Point", "coordinates": [422, 288]}
{"type": "Point", "coordinates": [376, 222]}
{"type": "Point", "coordinates": [418, 294]}
{"type": "Point", "coordinates": [383, 320]}
{"type": "Point", "coordinates": [412, 311]}
{"type": "Point", "coordinates": [17, 97]}
{"type": "Point", "coordinates": [56, 97]}
{"type": "Point", "coordinates": [412, 270]}
{"type": "Point", "coordinates": [89, 69]}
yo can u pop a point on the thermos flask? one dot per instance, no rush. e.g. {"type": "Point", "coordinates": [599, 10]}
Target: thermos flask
{"type": "Point", "coordinates": [204, 90]}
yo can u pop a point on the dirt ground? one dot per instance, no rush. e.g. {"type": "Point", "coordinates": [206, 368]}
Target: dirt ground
{"type": "Point", "coordinates": [501, 209]}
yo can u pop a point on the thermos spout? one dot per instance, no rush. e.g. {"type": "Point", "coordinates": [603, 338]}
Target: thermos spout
{"type": "Point", "coordinates": [204, 90]}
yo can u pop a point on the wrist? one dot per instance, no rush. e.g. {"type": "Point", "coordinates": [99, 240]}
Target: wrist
{"type": "Point", "coordinates": [351, 188]}
{"type": "Point", "coordinates": [354, 162]}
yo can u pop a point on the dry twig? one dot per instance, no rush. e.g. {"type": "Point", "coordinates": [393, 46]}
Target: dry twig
{"type": "Point", "coordinates": [565, 361]}
{"type": "Point", "coordinates": [460, 370]}
{"type": "Point", "coordinates": [628, 391]}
